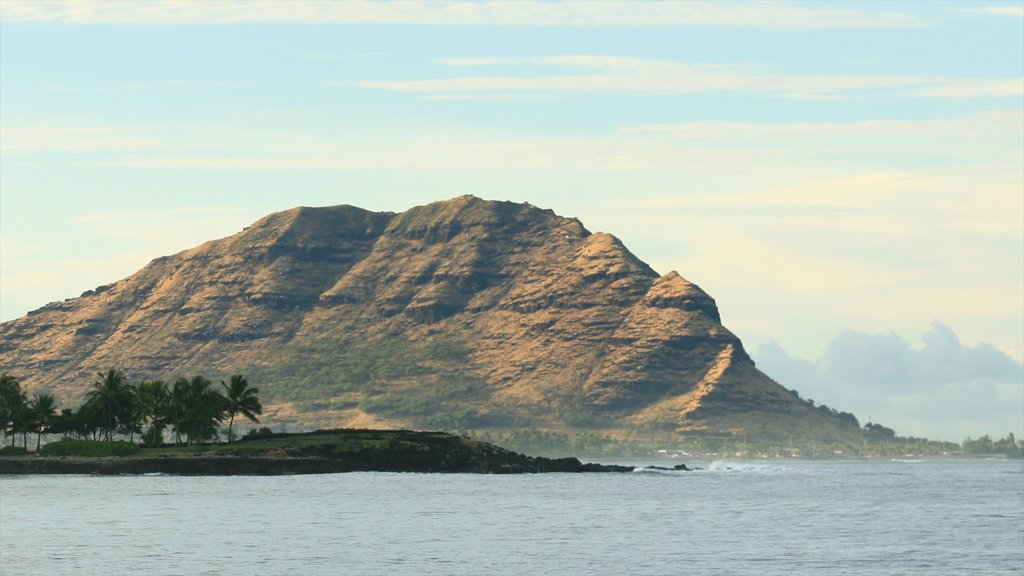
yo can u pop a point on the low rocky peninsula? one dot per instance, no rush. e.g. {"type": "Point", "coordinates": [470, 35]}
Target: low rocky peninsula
{"type": "Point", "coordinates": [320, 452]}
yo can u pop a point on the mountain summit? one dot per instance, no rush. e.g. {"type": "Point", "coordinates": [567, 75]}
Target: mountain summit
{"type": "Point", "coordinates": [465, 312]}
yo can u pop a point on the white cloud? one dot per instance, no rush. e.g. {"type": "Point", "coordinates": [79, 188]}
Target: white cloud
{"type": "Point", "coordinates": [602, 73]}
{"type": "Point", "coordinates": [993, 10]}
{"type": "Point", "coordinates": [968, 88]}
{"type": "Point", "coordinates": [20, 139]}
{"type": "Point", "coordinates": [609, 14]}
{"type": "Point", "coordinates": [938, 388]}
{"type": "Point", "coordinates": [191, 225]}
{"type": "Point", "coordinates": [493, 97]}
{"type": "Point", "coordinates": [985, 124]}
{"type": "Point", "coordinates": [835, 162]}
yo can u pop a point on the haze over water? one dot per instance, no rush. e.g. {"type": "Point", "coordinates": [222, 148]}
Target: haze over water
{"type": "Point", "coordinates": [735, 518]}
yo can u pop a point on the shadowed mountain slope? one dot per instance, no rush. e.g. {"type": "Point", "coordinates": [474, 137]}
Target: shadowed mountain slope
{"type": "Point", "coordinates": [459, 313]}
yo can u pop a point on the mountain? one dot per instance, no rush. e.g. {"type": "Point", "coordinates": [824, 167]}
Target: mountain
{"type": "Point", "coordinates": [489, 315]}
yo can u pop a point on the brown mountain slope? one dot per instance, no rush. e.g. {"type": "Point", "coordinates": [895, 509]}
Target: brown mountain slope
{"type": "Point", "coordinates": [460, 313]}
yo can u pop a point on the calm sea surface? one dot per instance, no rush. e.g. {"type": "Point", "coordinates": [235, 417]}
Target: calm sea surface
{"type": "Point", "coordinates": [734, 518]}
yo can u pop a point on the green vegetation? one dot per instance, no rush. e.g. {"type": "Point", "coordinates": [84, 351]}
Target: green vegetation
{"type": "Point", "coordinates": [323, 444]}
{"type": "Point", "coordinates": [392, 378]}
{"type": "Point", "coordinates": [113, 408]}
{"type": "Point", "coordinates": [13, 451]}
{"type": "Point", "coordinates": [194, 412]}
{"type": "Point", "coordinates": [1008, 446]}
{"type": "Point", "coordinates": [95, 448]}
{"type": "Point", "coordinates": [880, 442]}
{"type": "Point", "coordinates": [241, 399]}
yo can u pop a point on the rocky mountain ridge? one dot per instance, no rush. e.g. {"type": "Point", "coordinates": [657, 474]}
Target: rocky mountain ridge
{"type": "Point", "coordinates": [462, 313]}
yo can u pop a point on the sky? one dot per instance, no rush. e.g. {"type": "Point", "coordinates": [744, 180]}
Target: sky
{"type": "Point", "coordinates": [846, 179]}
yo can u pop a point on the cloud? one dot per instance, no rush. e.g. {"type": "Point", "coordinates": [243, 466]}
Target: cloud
{"type": "Point", "coordinates": [318, 55]}
{"type": "Point", "coordinates": [609, 14]}
{"type": "Point", "coordinates": [993, 10]}
{"type": "Point", "coordinates": [191, 224]}
{"type": "Point", "coordinates": [603, 73]}
{"type": "Point", "coordinates": [21, 139]}
{"type": "Point", "coordinates": [941, 387]}
{"type": "Point", "coordinates": [1003, 124]}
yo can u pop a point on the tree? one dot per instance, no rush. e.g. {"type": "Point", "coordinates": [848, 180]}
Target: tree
{"type": "Point", "coordinates": [241, 399]}
{"type": "Point", "coordinates": [153, 402]}
{"type": "Point", "coordinates": [41, 409]}
{"type": "Point", "coordinates": [112, 399]}
{"type": "Point", "coordinates": [177, 404]}
{"type": "Point", "coordinates": [12, 405]}
{"type": "Point", "coordinates": [204, 409]}
{"type": "Point", "coordinates": [66, 423]}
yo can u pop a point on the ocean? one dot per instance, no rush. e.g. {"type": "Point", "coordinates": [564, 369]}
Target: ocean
{"type": "Point", "coordinates": [797, 518]}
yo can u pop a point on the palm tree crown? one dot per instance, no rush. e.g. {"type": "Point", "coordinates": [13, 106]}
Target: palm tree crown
{"type": "Point", "coordinates": [241, 400]}
{"type": "Point", "coordinates": [42, 408]}
{"type": "Point", "coordinates": [112, 398]}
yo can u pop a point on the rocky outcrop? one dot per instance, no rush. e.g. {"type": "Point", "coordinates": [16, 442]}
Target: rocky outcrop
{"type": "Point", "coordinates": [320, 452]}
{"type": "Point", "coordinates": [464, 313]}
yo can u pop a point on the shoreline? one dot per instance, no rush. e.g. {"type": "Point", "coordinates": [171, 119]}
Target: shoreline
{"type": "Point", "coordinates": [321, 452]}
{"type": "Point", "coordinates": [274, 466]}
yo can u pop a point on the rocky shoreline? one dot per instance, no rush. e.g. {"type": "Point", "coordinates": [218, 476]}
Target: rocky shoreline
{"type": "Point", "coordinates": [270, 466]}
{"type": "Point", "coordinates": [317, 453]}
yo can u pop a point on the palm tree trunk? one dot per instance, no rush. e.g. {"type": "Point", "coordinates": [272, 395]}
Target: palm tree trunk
{"type": "Point", "coordinates": [230, 423]}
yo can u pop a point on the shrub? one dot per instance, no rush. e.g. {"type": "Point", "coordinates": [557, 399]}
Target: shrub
{"type": "Point", "coordinates": [262, 432]}
{"type": "Point", "coordinates": [94, 448]}
{"type": "Point", "coordinates": [13, 451]}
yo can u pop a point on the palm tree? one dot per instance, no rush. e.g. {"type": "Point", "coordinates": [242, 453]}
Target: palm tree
{"type": "Point", "coordinates": [112, 399]}
{"type": "Point", "coordinates": [42, 408]}
{"type": "Point", "coordinates": [177, 404]}
{"type": "Point", "coordinates": [241, 400]}
{"type": "Point", "coordinates": [12, 405]}
{"type": "Point", "coordinates": [65, 423]}
{"type": "Point", "coordinates": [204, 409]}
{"type": "Point", "coordinates": [153, 402]}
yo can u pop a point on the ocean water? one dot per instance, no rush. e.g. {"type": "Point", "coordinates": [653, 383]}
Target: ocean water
{"type": "Point", "coordinates": [733, 518]}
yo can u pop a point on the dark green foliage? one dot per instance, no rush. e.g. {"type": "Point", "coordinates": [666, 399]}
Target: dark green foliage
{"type": "Point", "coordinates": [93, 448]}
{"type": "Point", "coordinates": [241, 399]}
{"type": "Point", "coordinates": [262, 432]}
{"type": "Point", "coordinates": [1007, 446]}
{"type": "Point", "coordinates": [152, 409]}
{"type": "Point", "coordinates": [42, 408]}
{"type": "Point", "coordinates": [112, 402]}
{"type": "Point", "coordinates": [14, 414]}
{"type": "Point", "coordinates": [204, 409]}
{"type": "Point", "coordinates": [192, 407]}
{"type": "Point", "coordinates": [13, 451]}
{"type": "Point", "coordinates": [880, 431]}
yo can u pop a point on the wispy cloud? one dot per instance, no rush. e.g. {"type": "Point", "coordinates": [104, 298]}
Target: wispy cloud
{"type": "Point", "coordinates": [494, 97]}
{"type": "Point", "coordinates": [1006, 125]}
{"type": "Point", "coordinates": [21, 139]}
{"type": "Point", "coordinates": [137, 86]}
{"type": "Point", "coordinates": [191, 224]}
{"type": "Point", "coordinates": [993, 10]}
{"type": "Point", "coordinates": [602, 73]}
{"type": "Point", "coordinates": [610, 14]}
{"type": "Point", "coordinates": [317, 55]}
{"type": "Point", "coordinates": [980, 137]}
